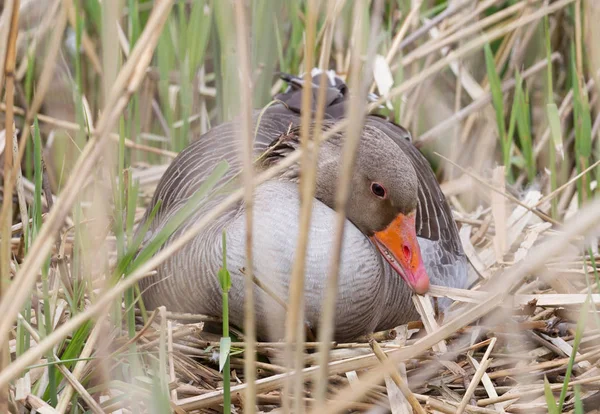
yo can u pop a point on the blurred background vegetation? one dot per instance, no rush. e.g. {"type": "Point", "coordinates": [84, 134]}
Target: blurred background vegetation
{"type": "Point", "coordinates": [495, 82]}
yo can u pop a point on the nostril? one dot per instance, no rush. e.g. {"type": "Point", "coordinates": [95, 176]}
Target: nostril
{"type": "Point", "coordinates": [406, 251]}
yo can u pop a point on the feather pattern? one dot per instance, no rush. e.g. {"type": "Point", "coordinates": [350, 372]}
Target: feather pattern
{"type": "Point", "coordinates": [371, 296]}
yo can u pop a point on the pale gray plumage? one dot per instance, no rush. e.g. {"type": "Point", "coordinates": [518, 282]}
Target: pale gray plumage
{"type": "Point", "coordinates": [371, 296]}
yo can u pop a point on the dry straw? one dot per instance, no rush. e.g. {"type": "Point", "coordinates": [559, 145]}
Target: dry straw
{"type": "Point", "coordinates": [455, 34]}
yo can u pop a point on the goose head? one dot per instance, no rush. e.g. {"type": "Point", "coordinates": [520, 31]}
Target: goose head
{"type": "Point", "coordinates": [383, 195]}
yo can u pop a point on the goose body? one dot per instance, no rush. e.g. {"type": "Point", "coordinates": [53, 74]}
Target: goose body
{"type": "Point", "coordinates": [371, 295]}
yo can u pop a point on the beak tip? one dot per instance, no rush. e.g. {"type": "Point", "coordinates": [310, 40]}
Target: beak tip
{"type": "Point", "coordinates": [421, 285]}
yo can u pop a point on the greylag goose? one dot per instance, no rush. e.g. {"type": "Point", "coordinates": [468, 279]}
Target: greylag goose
{"type": "Point", "coordinates": [399, 231]}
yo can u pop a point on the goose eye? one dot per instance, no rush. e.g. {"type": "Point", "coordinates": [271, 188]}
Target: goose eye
{"type": "Point", "coordinates": [378, 190]}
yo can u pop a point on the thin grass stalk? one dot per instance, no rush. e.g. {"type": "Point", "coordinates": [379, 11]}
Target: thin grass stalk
{"type": "Point", "coordinates": [247, 143]}
{"type": "Point", "coordinates": [79, 111]}
{"type": "Point", "coordinates": [553, 120]}
{"type": "Point", "coordinates": [295, 314]}
{"type": "Point", "coordinates": [466, 31]}
{"type": "Point", "coordinates": [225, 280]}
{"type": "Point", "coordinates": [128, 81]}
{"type": "Point", "coordinates": [8, 184]}
{"type": "Point", "coordinates": [476, 378]}
{"type": "Point", "coordinates": [88, 131]}
{"type": "Point", "coordinates": [578, 334]}
{"type": "Point", "coordinates": [398, 380]}
{"type": "Point", "coordinates": [160, 399]}
{"type": "Point", "coordinates": [5, 25]}
{"type": "Point", "coordinates": [356, 114]}
{"type": "Point", "coordinates": [28, 96]}
{"type": "Point", "coordinates": [582, 126]}
{"type": "Point", "coordinates": [46, 326]}
{"type": "Point", "coordinates": [578, 37]}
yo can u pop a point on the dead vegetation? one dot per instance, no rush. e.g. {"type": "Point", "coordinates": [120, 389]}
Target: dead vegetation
{"type": "Point", "coordinates": [502, 96]}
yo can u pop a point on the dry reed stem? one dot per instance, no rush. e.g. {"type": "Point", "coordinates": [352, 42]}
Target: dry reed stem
{"type": "Point", "coordinates": [395, 375]}
{"type": "Point", "coordinates": [19, 181]}
{"type": "Point", "coordinates": [452, 9]}
{"type": "Point", "coordinates": [472, 385]}
{"type": "Point", "coordinates": [433, 46]}
{"type": "Point", "coordinates": [270, 292]}
{"type": "Point", "coordinates": [425, 309]}
{"type": "Point", "coordinates": [310, 162]}
{"type": "Point", "coordinates": [539, 389]}
{"type": "Point", "coordinates": [396, 44]}
{"type": "Point", "coordinates": [356, 114]}
{"type": "Point", "coordinates": [6, 215]}
{"type": "Point", "coordinates": [482, 101]}
{"type": "Point", "coordinates": [170, 353]}
{"type": "Point", "coordinates": [247, 144]}
{"type": "Point", "coordinates": [295, 314]}
{"type": "Point", "coordinates": [491, 187]}
{"type": "Point", "coordinates": [127, 82]}
{"type": "Point", "coordinates": [71, 126]}
{"type": "Point", "coordinates": [485, 363]}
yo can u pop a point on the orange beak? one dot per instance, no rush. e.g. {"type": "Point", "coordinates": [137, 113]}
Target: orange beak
{"type": "Point", "coordinates": [399, 246]}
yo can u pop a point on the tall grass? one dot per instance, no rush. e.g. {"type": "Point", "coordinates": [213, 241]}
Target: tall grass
{"type": "Point", "coordinates": [188, 79]}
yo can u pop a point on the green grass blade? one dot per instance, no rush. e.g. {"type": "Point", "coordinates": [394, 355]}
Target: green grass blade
{"type": "Point", "coordinates": [225, 344]}
{"type": "Point", "coordinates": [498, 103]}
{"type": "Point", "coordinates": [583, 128]}
{"type": "Point", "coordinates": [264, 49]}
{"type": "Point", "coordinates": [578, 402]}
{"type": "Point", "coordinates": [524, 129]}
{"type": "Point", "coordinates": [550, 402]}
{"type": "Point", "coordinates": [578, 335]}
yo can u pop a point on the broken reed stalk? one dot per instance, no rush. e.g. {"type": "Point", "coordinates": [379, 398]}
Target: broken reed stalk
{"type": "Point", "coordinates": [295, 315]}
{"type": "Point", "coordinates": [395, 375]}
{"type": "Point", "coordinates": [484, 364]}
{"type": "Point", "coordinates": [247, 144]}
{"type": "Point", "coordinates": [127, 82]}
{"type": "Point", "coordinates": [9, 178]}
